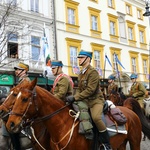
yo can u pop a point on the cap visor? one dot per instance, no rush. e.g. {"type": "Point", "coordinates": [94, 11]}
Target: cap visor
{"type": "Point", "coordinates": [18, 68]}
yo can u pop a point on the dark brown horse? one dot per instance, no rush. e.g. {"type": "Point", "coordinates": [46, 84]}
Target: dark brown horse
{"type": "Point", "coordinates": [133, 104]}
{"type": "Point", "coordinates": [34, 101]}
{"type": "Point", "coordinates": [39, 141]}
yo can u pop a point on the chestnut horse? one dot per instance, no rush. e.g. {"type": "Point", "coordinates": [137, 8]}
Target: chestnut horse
{"type": "Point", "coordinates": [5, 108]}
{"type": "Point", "coordinates": [62, 125]}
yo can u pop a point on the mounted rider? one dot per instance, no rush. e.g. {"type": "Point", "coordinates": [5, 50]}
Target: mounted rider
{"type": "Point", "coordinates": [88, 91]}
{"type": "Point", "coordinates": [63, 84]}
{"type": "Point", "coordinates": [112, 87]}
{"type": "Point", "coordinates": [137, 90]}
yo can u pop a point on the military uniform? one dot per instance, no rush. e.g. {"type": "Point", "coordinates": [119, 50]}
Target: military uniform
{"type": "Point", "coordinates": [63, 87]}
{"type": "Point", "coordinates": [138, 91]}
{"type": "Point", "coordinates": [88, 90]}
{"type": "Point", "coordinates": [112, 87]}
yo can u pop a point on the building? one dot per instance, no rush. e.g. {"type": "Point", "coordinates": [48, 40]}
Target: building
{"type": "Point", "coordinates": [106, 27]}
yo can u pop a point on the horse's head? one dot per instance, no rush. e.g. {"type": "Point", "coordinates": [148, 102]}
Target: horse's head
{"type": "Point", "coordinates": [23, 100]}
{"type": "Point", "coordinates": [114, 97]}
{"type": "Point", "coordinates": [8, 103]}
{"type": "Point", "coordinates": [147, 107]}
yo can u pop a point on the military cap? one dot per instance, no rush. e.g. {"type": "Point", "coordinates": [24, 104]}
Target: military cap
{"type": "Point", "coordinates": [56, 63]}
{"type": "Point", "coordinates": [111, 77]}
{"type": "Point", "coordinates": [22, 66]}
{"type": "Point", "coordinates": [133, 76]}
{"type": "Point", "coordinates": [84, 53]}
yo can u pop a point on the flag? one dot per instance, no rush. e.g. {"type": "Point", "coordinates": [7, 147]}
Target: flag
{"type": "Point", "coordinates": [76, 69]}
{"type": "Point", "coordinates": [117, 61]}
{"type": "Point", "coordinates": [45, 56]}
{"type": "Point", "coordinates": [117, 74]}
{"type": "Point", "coordinates": [99, 71]}
{"type": "Point", "coordinates": [108, 60]}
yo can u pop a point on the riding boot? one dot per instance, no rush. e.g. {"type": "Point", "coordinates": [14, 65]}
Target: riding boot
{"type": "Point", "coordinates": [105, 141]}
{"type": "Point", "coordinates": [15, 138]}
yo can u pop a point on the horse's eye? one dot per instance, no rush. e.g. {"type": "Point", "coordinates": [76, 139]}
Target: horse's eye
{"type": "Point", "coordinates": [24, 99]}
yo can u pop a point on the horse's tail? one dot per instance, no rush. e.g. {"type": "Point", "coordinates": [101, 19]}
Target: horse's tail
{"type": "Point", "coordinates": [134, 105]}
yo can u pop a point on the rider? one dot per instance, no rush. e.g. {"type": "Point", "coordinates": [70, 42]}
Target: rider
{"type": "Point", "coordinates": [88, 91]}
{"type": "Point", "coordinates": [63, 84]}
{"type": "Point", "coordinates": [112, 87]}
{"type": "Point", "coordinates": [21, 72]}
{"type": "Point", "coordinates": [137, 90]}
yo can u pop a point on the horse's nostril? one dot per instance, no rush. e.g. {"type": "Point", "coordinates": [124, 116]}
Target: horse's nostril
{"type": "Point", "coordinates": [12, 124]}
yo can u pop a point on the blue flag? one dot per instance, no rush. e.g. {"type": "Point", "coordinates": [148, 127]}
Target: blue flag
{"type": "Point", "coordinates": [108, 60]}
{"type": "Point", "coordinates": [117, 61]}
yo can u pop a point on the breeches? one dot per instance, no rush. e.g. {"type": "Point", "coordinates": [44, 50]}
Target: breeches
{"type": "Point", "coordinates": [96, 113]}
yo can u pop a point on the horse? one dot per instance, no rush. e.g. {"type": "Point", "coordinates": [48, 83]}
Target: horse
{"type": "Point", "coordinates": [61, 124]}
{"type": "Point", "coordinates": [147, 108]}
{"type": "Point", "coordinates": [117, 98]}
{"type": "Point", "coordinates": [133, 104]}
{"type": "Point", "coordinates": [37, 140]}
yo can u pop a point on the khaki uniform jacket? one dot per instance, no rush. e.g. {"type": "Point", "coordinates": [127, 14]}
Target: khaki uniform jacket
{"type": "Point", "coordinates": [63, 88]}
{"type": "Point", "coordinates": [112, 87]}
{"type": "Point", "coordinates": [88, 87]}
{"type": "Point", "coordinates": [138, 91]}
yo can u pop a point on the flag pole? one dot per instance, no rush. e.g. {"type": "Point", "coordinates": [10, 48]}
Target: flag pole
{"type": "Point", "coordinates": [104, 67]}
{"type": "Point", "coordinates": [117, 71]}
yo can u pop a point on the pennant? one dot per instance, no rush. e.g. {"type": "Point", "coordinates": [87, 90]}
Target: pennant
{"type": "Point", "coordinates": [99, 71]}
{"type": "Point", "coordinates": [117, 61]}
{"type": "Point", "coordinates": [108, 60]}
{"type": "Point", "coordinates": [76, 69]}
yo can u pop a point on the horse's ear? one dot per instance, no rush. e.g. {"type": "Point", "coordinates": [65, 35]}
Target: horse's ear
{"type": "Point", "coordinates": [33, 83]}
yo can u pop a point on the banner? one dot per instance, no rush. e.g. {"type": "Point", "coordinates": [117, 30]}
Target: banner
{"type": "Point", "coordinates": [117, 61]}
{"type": "Point", "coordinates": [108, 60]}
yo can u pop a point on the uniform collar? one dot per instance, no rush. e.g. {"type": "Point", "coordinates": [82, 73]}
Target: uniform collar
{"type": "Point", "coordinates": [84, 70]}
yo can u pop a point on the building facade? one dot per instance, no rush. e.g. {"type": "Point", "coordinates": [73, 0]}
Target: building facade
{"type": "Point", "coordinates": [111, 29]}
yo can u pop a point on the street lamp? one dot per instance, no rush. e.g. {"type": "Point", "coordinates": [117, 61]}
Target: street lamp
{"type": "Point", "coordinates": [147, 14]}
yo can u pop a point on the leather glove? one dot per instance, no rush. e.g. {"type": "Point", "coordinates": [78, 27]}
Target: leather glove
{"type": "Point", "coordinates": [70, 99]}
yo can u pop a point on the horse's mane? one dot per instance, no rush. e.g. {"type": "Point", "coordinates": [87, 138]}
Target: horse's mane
{"type": "Point", "coordinates": [135, 106]}
{"type": "Point", "coordinates": [42, 91]}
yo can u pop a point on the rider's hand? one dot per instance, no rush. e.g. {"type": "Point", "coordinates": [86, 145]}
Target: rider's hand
{"type": "Point", "coordinates": [70, 99]}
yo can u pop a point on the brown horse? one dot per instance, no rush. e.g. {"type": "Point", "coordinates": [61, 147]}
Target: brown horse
{"type": "Point", "coordinates": [117, 98]}
{"type": "Point", "coordinates": [133, 104]}
{"type": "Point", "coordinates": [63, 127]}
{"type": "Point", "coordinates": [6, 107]}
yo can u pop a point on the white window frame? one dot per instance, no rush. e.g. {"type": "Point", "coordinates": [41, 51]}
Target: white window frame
{"type": "Point", "coordinates": [130, 33]}
{"type": "Point", "coordinates": [133, 60]}
{"type": "Point", "coordinates": [112, 28]}
{"type": "Point", "coordinates": [110, 3]}
{"type": "Point", "coordinates": [71, 16]}
{"type": "Point", "coordinates": [141, 34]}
{"type": "Point", "coordinates": [97, 55]}
{"type": "Point", "coordinates": [94, 22]}
{"type": "Point", "coordinates": [34, 5]}
{"type": "Point", "coordinates": [73, 56]}
{"type": "Point", "coordinates": [145, 66]}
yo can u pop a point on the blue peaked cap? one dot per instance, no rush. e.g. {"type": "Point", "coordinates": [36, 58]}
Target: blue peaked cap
{"type": "Point", "coordinates": [111, 77]}
{"type": "Point", "coordinates": [133, 76]}
{"type": "Point", "coordinates": [84, 53]}
{"type": "Point", "coordinates": [56, 63]}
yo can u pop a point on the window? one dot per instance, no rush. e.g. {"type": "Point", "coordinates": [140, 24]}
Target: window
{"type": "Point", "coordinates": [71, 16]}
{"type": "Point", "coordinates": [129, 9]}
{"type": "Point", "coordinates": [122, 29]}
{"type": "Point", "coordinates": [97, 59]}
{"type": "Point", "coordinates": [130, 33]}
{"type": "Point", "coordinates": [34, 4]}
{"type": "Point", "coordinates": [112, 28]}
{"type": "Point", "coordinates": [145, 66]}
{"type": "Point", "coordinates": [73, 47]}
{"type": "Point", "coordinates": [139, 14]}
{"type": "Point", "coordinates": [133, 61]}
{"type": "Point", "coordinates": [72, 23]}
{"type": "Point", "coordinates": [111, 3]}
{"type": "Point", "coordinates": [141, 37]}
{"type": "Point", "coordinates": [73, 56]}
{"type": "Point", "coordinates": [95, 22]}
{"type": "Point", "coordinates": [12, 45]}
{"type": "Point", "coordinates": [35, 47]}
